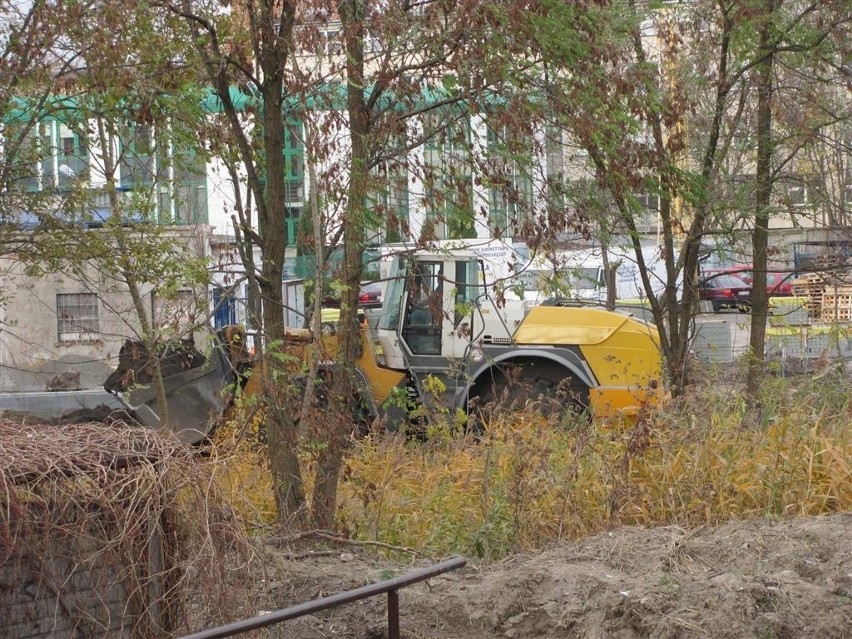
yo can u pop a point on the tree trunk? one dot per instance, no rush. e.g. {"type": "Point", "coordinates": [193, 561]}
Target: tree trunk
{"type": "Point", "coordinates": [343, 399]}
{"type": "Point", "coordinates": [609, 272]}
{"type": "Point", "coordinates": [763, 191]}
{"type": "Point", "coordinates": [282, 430]}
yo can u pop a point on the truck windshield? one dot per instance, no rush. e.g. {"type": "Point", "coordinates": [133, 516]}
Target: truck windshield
{"type": "Point", "coordinates": [585, 277]}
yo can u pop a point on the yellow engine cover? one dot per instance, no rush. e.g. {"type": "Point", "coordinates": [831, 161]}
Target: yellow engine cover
{"type": "Point", "coordinates": [622, 352]}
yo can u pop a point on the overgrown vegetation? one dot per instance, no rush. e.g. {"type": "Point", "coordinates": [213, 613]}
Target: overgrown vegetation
{"type": "Point", "coordinates": [524, 483]}
{"type": "Point", "coordinates": [113, 529]}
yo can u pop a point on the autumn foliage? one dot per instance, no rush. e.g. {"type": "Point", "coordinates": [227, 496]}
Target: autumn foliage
{"type": "Point", "coordinates": [525, 483]}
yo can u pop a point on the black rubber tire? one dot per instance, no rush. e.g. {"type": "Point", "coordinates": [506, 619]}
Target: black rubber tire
{"type": "Point", "coordinates": [542, 388]}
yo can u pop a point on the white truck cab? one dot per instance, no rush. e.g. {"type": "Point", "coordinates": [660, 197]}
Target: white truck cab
{"type": "Point", "coordinates": [438, 305]}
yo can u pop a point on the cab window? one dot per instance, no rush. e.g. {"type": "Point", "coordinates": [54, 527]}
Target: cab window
{"type": "Point", "coordinates": [424, 311]}
{"type": "Point", "coordinates": [469, 288]}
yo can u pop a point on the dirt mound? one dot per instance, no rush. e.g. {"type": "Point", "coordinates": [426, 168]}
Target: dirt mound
{"type": "Point", "coordinates": [761, 578]}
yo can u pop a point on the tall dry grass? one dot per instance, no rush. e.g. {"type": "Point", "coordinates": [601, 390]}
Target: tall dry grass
{"type": "Point", "coordinates": [526, 482]}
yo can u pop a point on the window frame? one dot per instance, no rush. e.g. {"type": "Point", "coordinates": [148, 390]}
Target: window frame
{"type": "Point", "coordinates": [510, 201]}
{"type": "Point", "coordinates": [448, 154]}
{"type": "Point", "coordinates": [137, 168]}
{"type": "Point", "coordinates": [64, 317]}
{"type": "Point", "coordinates": [389, 197]}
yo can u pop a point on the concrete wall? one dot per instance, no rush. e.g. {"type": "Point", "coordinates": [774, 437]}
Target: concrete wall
{"type": "Point", "coordinates": [33, 358]}
{"type": "Point", "coordinates": [31, 354]}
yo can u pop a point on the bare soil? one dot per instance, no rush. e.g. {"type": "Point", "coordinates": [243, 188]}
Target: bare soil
{"type": "Point", "coordinates": [760, 578]}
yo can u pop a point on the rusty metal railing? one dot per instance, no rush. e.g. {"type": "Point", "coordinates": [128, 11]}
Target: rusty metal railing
{"type": "Point", "coordinates": [389, 586]}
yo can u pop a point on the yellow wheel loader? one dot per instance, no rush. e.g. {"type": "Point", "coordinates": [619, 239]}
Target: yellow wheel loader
{"type": "Point", "coordinates": [443, 340]}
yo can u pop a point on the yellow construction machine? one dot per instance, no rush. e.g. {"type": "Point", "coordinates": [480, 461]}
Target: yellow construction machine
{"type": "Point", "coordinates": [442, 342]}
{"type": "Point", "coordinates": [440, 322]}
{"type": "Point", "coordinates": [440, 319]}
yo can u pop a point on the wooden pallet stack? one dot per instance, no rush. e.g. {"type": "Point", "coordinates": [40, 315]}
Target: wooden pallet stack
{"type": "Point", "coordinates": [836, 305]}
{"type": "Point", "coordinates": [810, 287]}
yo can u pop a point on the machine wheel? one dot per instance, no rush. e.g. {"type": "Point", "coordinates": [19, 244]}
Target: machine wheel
{"type": "Point", "coordinates": [542, 387]}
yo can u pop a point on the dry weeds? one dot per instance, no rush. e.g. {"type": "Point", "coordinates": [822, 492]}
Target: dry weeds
{"type": "Point", "coordinates": [116, 527]}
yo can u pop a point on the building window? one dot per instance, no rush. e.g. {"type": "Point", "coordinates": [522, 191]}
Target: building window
{"type": "Point", "coordinates": [294, 179]}
{"type": "Point", "coordinates": [798, 196]}
{"type": "Point", "coordinates": [396, 218]}
{"type": "Point", "coordinates": [556, 161]}
{"type": "Point", "coordinates": [648, 211]}
{"type": "Point", "coordinates": [72, 158]}
{"type": "Point", "coordinates": [448, 178]}
{"type": "Point", "coordinates": [294, 166]}
{"type": "Point", "coordinates": [29, 169]}
{"type": "Point", "coordinates": [796, 192]}
{"type": "Point", "coordinates": [77, 317]}
{"type": "Point", "coordinates": [511, 188]}
{"type": "Point", "coordinates": [55, 157]}
{"type": "Point", "coordinates": [332, 41]}
{"type": "Point", "coordinates": [137, 156]}
{"type": "Point", "coordinates": [189, 188]}
{"type": "Point", "coordinates": [292, 223]}
{"type": "Point", "coordinates": [648, 202]}
{"type": "Point", "coordinates": [388, 198]}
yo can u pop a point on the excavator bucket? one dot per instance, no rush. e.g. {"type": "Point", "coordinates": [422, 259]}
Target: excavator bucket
{"type": "Point", "coordinates": [196, 395]}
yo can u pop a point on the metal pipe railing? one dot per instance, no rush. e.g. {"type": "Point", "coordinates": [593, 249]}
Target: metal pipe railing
{"type": "Point", "coordinates": [389, 586]}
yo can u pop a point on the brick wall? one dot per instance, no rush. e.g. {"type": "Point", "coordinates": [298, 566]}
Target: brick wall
{"type": "Point", "coordinates": [66, 583]}
{"type": "Point", "coordinates": [57, 597]}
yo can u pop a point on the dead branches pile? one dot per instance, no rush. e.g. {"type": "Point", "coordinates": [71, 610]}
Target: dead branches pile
{"type": "Point", "coordinates": [113, 531]}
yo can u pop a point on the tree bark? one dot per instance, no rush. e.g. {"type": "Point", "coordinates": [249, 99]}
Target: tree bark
{"type": "Point", "coordinates": [763, 191]}
{"type": "Point", "coordinates": [343, 401]}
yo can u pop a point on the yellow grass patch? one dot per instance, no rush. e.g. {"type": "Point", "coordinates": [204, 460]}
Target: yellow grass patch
{"type": "Point", "coordinates": [526, 482]}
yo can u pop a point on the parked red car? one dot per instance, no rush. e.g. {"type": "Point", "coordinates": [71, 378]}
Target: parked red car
{"type": "Point", "coordinates": [370, 295]}
{"type": "Point", "coordinates": [779, 284]}
{"type": "Point", "coordinates": [726, 291]}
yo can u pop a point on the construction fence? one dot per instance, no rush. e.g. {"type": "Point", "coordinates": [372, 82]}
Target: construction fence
{"type": "Point", "coordinates": [803, 332]}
